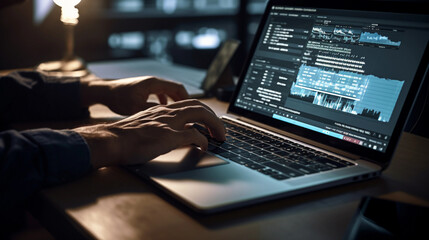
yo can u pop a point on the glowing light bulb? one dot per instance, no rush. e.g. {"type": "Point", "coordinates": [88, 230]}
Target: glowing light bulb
{"type": "Point", "coordinates": [69, 14]}
{"type": "Point", "coordinates": [70, 65]}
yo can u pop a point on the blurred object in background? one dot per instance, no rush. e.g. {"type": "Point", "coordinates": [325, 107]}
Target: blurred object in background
{"type": "Point", "coordinates": [181, 31]}
{"type": "Point", "coordinates": [70, 64]}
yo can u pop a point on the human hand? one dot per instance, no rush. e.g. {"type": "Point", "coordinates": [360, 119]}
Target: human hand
{"type": "Point", "coordinates": [129, 95]}
{"type": "Point", "coordinates": [150, 133]}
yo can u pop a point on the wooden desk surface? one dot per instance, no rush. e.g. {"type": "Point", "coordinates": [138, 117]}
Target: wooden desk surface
{"type": "Point", "coordinates": [113, 204]}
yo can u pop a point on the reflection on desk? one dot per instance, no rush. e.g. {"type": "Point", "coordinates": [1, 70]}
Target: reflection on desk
{"type": "Point", "coordinates": [113, 204]}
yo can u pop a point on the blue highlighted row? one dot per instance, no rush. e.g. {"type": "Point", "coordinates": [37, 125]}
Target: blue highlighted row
{"type": "Point", "coordinates": [308, 126]}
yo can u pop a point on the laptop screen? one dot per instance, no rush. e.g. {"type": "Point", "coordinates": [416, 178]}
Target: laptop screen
{"type": "Point", "coordinates": [341, 73]}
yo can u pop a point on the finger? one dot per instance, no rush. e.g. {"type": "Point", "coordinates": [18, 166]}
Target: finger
{"type": "Point", "coordinates": [180, 94]}
{"type": "Point", "coordinates": [191, 114]}
{"type": "Point", "coordinates": [193, 137]}
{"type": "Point", "coordinates": [172, 89]}
{"type": "Point", "coordinates": [162, 99]}
{"type": "Point", "coordinates": [147, 105]}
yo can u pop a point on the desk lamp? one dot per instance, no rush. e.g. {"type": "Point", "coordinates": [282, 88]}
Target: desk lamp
{"type": "Point", "coordinates": [70, 65]}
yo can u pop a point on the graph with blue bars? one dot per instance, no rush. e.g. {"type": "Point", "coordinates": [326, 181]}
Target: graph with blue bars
{"type": "Point", "coordinates": [365, 95]}
{"type": "Point", "coordinates": [377, 39]}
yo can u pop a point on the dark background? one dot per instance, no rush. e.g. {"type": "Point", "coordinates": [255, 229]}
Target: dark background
{"type": "Point", "coordinates": [105, 27]}
{"type": "Point", "coordinates": [167, 30]}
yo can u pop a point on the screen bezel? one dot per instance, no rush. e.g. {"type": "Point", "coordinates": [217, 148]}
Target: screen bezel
{"type": "Point", "coordinates": [381, 158]}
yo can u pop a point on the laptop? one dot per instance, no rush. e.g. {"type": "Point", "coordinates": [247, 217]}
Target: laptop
{"type": "Point", "coordinates": [197, 82]}
{"type": "Point", "coordinates": [322, 101]}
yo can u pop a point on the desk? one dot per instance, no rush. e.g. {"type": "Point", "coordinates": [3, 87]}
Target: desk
{"type": "Point", "coordinates": [113, 204]}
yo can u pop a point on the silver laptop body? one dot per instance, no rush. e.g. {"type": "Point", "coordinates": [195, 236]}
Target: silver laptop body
{"type": "Point", "coordinates": [321, 75]}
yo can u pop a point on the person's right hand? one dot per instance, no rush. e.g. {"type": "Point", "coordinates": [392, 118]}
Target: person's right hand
{"type": "Point", "coordinates": [150, 133]}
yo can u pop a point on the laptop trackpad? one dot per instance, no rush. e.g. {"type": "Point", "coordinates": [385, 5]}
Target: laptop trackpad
{"type": "Point", "coordinates": [179, 160]}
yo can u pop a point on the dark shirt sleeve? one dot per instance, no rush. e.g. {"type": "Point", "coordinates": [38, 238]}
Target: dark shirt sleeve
{"type": "Point", "coordinates": [30, 160]}
{"type": "Point", "coordinates": [33, 96]}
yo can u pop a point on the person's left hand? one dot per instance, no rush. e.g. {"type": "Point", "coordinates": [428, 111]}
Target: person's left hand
{"type": "Point", "coordinates": [130, 95]}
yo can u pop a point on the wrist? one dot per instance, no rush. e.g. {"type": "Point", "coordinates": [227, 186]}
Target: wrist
{"type": "Point", "coordinates": [93, 92]}
{"type": "Point", "coordinates": [101, 144]}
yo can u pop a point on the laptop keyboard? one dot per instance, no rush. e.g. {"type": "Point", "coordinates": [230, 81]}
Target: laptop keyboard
{"type": "Point", "coordinates": [270, 155]}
